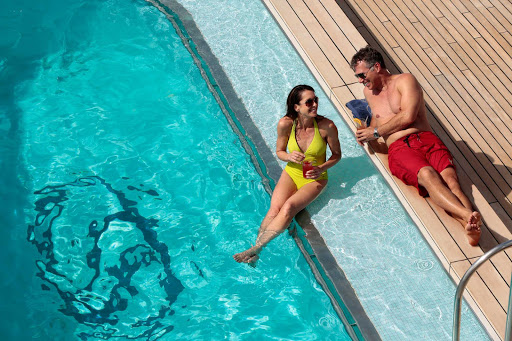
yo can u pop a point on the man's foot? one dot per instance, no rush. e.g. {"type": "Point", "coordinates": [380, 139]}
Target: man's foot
{"type": "Point", "coordinates": [473, 230]}
{"type": "Point", "coordinates": [248, 256]}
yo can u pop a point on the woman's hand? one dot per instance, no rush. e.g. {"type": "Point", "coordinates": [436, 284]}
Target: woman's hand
{"type": "Point", "coordinates": [295, 157]}
{"type": "Point", "coordinates": [314, 173]}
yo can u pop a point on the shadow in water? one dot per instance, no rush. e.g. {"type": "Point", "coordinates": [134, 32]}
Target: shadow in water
{"type": "Point", "coordinates": [104, 259]}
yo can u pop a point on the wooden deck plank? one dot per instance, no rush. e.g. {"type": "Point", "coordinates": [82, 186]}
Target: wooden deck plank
{"type": "Point", "coordinates": [323, 41]}
{"type": "Point", "coordinates": [491, 40]}
{"type": "Point", "coordinates": [479, 145]}
{"type": "Point", "coordinates": [405, 29]}
{"type": "Point", "coordinates": [486, 17]}
{"type": "Point", "coordinates": [494, 101]}
{"type": "Point", "coordinates": [332, 30]}
{"type": "Point", "coordinates": [460, 5]}
{"type": "Point", "coordinates": [370, 6]}
{"type": "Point", "coordinates": [439, 46]}
{"type": "Point", "coordinates": [481, 3]}
{"type": "Point", "coordinates": [501, 85]}
{"type": "Point", "coordinates": [488, 75]}
{"type": "Point", "coordinates": [343, 21]}
{"type": "Point", "coordinates": [504, 6]}
{"type": "Point", "coordinates": [431, 22]}
{"type": "Point", "coordinates": [433, 9]}
{"type": "Point", "coordinates": [406, 11]}
{"type": "Point", "coordinates": [353, 18]}
{"type": "Point", "coordinates": [461, 35]}
{"type": "Point", "coordinates": [492, 277]}
{"type": "Point", "coordinates": [507, 36]}
{"type": "Point", "coordinates": [457, 18]}
{"type": "Point", "coordinates": [310, 46]}
{"type": "Point", "coordinates": [369, 17]}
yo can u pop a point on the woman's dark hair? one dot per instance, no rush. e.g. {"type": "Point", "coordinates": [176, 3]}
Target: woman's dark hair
{"type": "Point", "coordinates": [294, 97]}
{"type": "Point", "coordinates": [368, 55]}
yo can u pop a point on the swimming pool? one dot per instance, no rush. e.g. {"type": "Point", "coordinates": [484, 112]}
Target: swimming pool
{"type": "Point", "coordinates": [129, 192]}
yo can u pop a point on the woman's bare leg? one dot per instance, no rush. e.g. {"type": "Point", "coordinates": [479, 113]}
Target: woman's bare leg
{"type": "Point", "coordinates": [295, 203]}
{"type": "Point", "coordinates": [284, 189]}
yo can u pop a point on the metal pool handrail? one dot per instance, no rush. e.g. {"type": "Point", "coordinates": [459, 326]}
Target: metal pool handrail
{"type": "Point", "coordinates": [462, 285]}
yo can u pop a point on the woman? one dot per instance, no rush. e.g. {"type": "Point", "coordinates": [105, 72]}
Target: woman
{"type": "Point", "coordinates": [306, 134]}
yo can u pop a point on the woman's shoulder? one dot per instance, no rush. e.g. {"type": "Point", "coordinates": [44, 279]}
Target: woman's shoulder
{"type": "Point", "coordinates": [323, 122]}
{"type": "Point", "coordinates": [285, 123]}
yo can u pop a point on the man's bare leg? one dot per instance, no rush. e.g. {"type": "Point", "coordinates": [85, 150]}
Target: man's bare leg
{"type": "Point", "coordinates": [280, 222]}
{"type": "Point", "coordinates": [458, 206]}
{"type": "Point", "coordinates": [472, 226]}
{"type": "Point", "coordinates": [451, 179]}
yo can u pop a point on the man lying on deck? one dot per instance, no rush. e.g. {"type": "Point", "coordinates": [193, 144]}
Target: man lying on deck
{"type": "Point", "coordinates": [416, 156]}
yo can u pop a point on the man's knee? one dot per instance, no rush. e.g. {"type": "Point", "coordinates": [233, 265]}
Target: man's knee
{"type": "Point", "coordinates": [428, 175]}
{"type": "Point", "coordinates": [450, 177]}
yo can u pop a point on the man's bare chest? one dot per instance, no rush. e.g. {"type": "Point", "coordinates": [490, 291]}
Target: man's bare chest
{"type": "Point", "coordinates": [384, 105]}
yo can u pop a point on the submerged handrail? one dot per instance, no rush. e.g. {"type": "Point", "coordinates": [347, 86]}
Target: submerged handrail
{"type": "Point", "coordinates": [462, 285]}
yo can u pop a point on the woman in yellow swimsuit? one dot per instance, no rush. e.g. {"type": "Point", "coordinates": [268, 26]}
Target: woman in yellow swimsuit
{"type": "Point", "coordinates": [302, 135]}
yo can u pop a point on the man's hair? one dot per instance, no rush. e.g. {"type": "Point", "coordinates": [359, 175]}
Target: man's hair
{"type": "Point", "coordinates": [368, 55]}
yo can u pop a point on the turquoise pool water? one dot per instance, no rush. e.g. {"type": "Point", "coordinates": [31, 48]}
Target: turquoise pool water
{"type": "Point", "coordinates": [128, 191]}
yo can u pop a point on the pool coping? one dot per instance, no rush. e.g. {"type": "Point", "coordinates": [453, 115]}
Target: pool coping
{"type": "Point", "coordinates": [312, 245]}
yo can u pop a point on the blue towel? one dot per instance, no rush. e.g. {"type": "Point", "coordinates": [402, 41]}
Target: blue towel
{"type": "Point", "coordinates": [361, 110]}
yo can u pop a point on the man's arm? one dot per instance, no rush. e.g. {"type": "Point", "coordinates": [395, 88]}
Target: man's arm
{"type": "Point", "coordinates": [410, 104]}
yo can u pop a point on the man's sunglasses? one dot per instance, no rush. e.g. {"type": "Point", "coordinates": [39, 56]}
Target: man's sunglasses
{"type": "Point", "coordinates": [362, 75]}
{"type": "Point", "coordinates": [310, 101]}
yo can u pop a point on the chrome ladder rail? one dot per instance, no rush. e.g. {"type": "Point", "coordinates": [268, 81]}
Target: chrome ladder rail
{"type": "Point", "coordinates": [462, 285]}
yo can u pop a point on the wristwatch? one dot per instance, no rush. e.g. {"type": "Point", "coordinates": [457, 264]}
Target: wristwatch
{"type": "Point", "coordinates": [376, 133]}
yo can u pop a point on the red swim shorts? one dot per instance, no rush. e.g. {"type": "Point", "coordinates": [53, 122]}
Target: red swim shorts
{"type": "Point", "coordinates": [411, 153]}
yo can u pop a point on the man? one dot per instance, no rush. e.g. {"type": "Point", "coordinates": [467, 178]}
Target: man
{"type": "Point", "coordinates": [415, 154]}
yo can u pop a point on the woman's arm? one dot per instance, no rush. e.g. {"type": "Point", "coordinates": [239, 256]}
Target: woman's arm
{"type": "Point", "coordinates": [284, 128]}
{"type": "Point", "coordinates": [334, 145]}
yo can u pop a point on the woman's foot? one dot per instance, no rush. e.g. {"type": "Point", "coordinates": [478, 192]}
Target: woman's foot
{"type": "Point", "coordinates": [248, 256]}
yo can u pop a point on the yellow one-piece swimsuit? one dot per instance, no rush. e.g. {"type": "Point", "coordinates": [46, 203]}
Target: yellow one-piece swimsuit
{"type": "Point", "coordinates": [316, 153]}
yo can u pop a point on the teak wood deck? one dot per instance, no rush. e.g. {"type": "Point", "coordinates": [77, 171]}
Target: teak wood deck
{"type": "Point", "coordinates": [461, 53]}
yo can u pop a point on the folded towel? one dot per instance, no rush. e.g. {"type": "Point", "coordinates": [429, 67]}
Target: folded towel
{"type": "Point", "coordinates": [361, 110]}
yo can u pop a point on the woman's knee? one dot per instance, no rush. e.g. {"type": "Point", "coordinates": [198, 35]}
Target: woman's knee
{"type": "Point", "coordinates": [274, 210]}
{"type": "Point", "coordinates": [289, 209]}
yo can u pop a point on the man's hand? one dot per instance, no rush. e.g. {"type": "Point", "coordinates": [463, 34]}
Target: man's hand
{"type": "Point", "coordinates": [365, 135]}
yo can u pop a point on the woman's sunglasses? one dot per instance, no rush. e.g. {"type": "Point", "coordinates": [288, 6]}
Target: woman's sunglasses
{"type": "Point", "coordinates": [310, 101]}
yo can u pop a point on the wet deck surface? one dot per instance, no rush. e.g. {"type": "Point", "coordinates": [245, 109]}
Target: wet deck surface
{"type": "Point", "coordinates": [461, 53]}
